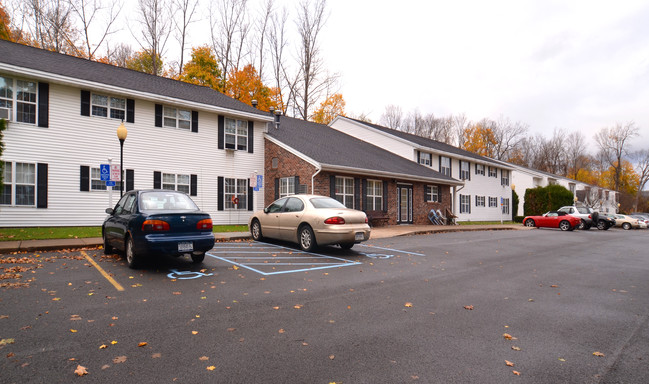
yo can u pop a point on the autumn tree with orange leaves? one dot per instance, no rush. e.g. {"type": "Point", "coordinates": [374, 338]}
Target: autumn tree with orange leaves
{"type": "Point", "coordinates": [245, 85]}
{"type": "Point", "coordinates": [333, 106]}
{"type": "Point", "coordinates": [202, 69]}
{"type": "Point", "coordinates": [480, 139]}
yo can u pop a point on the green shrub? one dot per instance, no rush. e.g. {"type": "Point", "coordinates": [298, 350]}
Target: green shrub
{"type": "Point", "coordinates": [518, 219]}
{"type": "Point", "coordinates": [542, 199]}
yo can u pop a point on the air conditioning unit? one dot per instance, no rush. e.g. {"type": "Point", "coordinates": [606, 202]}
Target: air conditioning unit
{"type": "Point", "coordinates": [5, 113]}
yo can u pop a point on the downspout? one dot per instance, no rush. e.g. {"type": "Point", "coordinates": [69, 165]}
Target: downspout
{"type": "Point", "coordinates": [455, 191]}
{"type": "Point", "coordinates": [319, 168]}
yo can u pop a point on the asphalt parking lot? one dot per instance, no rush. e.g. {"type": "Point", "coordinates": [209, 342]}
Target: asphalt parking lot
{"type": "Point", "coordinates": [428, 308]}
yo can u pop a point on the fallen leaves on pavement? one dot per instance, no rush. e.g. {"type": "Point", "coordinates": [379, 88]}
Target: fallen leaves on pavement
{"type": "Point", "coordinates": [598, 354]}
{"type": "Point", "coordinates": [81, 370]}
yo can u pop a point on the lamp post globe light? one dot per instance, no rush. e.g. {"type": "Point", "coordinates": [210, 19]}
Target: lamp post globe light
{"type": "Point", "coordinates": [121, 135]}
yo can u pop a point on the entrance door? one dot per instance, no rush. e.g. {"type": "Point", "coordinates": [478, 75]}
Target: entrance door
{"type": "Point", "coordinates": [404, 204]}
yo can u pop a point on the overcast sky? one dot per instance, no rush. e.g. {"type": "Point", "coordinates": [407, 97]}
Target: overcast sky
{"type": "Point", "coordinates": [576, 65]}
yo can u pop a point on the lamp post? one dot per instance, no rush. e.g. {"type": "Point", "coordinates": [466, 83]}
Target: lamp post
{"type": "Point", "coordinates": [121, 135]}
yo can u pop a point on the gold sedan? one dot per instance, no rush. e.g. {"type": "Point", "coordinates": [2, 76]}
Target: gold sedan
{"type": "Point", "coordinates": [310, 220]}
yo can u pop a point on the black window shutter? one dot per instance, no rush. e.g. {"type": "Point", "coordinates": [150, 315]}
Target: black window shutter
{"type": "Point", "coordinates": [130, 111]}
{"type": "Point", "coordinates": [427, 192]}
{"type": "Point", "coordinates": [450, 167]}
{"type": "Point", "coordinates": [364, 193]}
{"type": "Point", "coordinates": [439, 193]}
{"type": "Point", "coordinates": [195, 121]}
{"type": "Point", "coordinates": [440, 163]}
{"type": "Point", "coordinates": [221, 132]}
{"type": "Point", "coordinates": [43, 104]}
{"type": "Point", "coordinates": [385, 196]}
{"type": "Point", "coordinates": [221, 185]}
{"type": "Point", "coordinates": [158, 115]}
{"type": "Point", "coordinates": [41, 186]}
{"type": "Point", "coordinates": [418, 157]}
{"type": "Point", "coordinates": [332, 186]}
{"type": "Point", "coordinates": [469, 168]}
{"type": "Point", "coordinates": [130, 180]}
{"type": "Point", "coordinates": [357, 194]}
{"type": "Point", "coordinates": [85, 103]}
{"type": "Point", "coordinates": [276, 188]}
{"type": "Point", "coordinates": [251, 137]}
{"type": "Point", "coordinates": [250, 208]}
{"type": "Point", "coordinates": [84, 182]}
{"type": "Point", "coordinates": [157, 180]}
{"type": "Point", "coordinates": [297, 184]}
{"type": "Point", "coordinates": [193, 187]}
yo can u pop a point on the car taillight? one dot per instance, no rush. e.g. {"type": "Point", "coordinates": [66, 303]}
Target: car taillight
{"type": "Point", "coordinates": [155, 225]}
{"type": "Point", "coordinates": [366, 220]}
{"type": "Point", "coordinates": [590, 217]}
{"type": "Point", "coordinates": [335, 220]}
{"type": "Point", "coordinates": [204, 224]}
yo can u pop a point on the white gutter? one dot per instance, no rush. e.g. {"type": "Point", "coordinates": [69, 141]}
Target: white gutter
{"type": "Point", "coordinates": [313, 180]}
{"type": "Point", "coordinates": [360, 171]}
{"type": "Point", "coordinates": [127, 92]}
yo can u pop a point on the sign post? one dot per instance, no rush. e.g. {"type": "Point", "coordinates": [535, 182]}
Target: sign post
{"type": "Point", "coordinates": [501, 210]}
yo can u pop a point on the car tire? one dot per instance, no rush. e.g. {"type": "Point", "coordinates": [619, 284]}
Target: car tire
{"type": "Point", "coordinates": [255, 230]}
{"type": "Point", "coordinates": [346, 245]}
{"type": "Point", "coordinates": [601, 225]}
{"type": "Point", "coordinates": [306, 238]}
{"type": "Point", "coordinates": [530, 223]}
{"type": "Point", "coordinates": [583, 225]}
{"type": "Point", "coordinates": [198, 258]}
{"type": "Point", "coordinates": [626, 226]}
{"type": "Point", "coordinates": [108, 249]}
{"type": "Point", "coordinates": [132, 259]}
{"type": "Point", "coordinates": [564, 225]}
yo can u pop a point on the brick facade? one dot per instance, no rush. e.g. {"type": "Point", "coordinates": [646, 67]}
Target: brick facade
{"type": "Point", "coordinates": [290, 165]}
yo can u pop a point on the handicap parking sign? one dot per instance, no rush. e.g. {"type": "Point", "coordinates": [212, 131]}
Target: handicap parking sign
{"type": "Point", "coordinates": [104, 170]}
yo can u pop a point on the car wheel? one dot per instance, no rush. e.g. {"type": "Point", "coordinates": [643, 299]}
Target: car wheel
{"type": "Point", "coordinates": [196, 259]}
{"type": "Point", "coordinates": [564, 225]}
{"type": "Point", "coordinates": [583, 225]}
{"type": "Point", "coordinates": [601, 225]}
{"type": "Point", "coordinates": [306, 238]}
{"type": "Point", "coordinates": [131, 258]}
{"type": "Point", "coordinates": [346, 245]}
{"type": "Point", "coordinates": [626, 226]}
{"type": "Point", "coordinates": [255, 231]}
{"type": "Point", "coordinates": [530, 223]}
{"type": "Point", "coordinates": [108, 249]}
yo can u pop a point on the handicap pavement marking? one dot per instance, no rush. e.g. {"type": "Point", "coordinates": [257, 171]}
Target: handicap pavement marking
{"type": "Point", "coordinates": [185, 275]}
{"type": "Point", "coordinates": [386, 256]}
{"type": "Point", "coordinates": [269, 259]}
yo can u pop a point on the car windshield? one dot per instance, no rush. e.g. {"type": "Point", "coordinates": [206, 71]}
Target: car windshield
{"type": "Point", "coordinates": [583, 210]}
{"type": "Point", "coordinates": [167, 200]}
{"type": "Point", "coordinates": [326, 202]}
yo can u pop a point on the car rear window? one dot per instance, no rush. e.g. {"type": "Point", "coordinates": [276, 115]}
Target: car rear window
{"type": "Point", "coordinates": [583, 210]}
{"type": "Point", "coordinates": [326, 202]}
{"type": "Point", "coordinates": [167, 201]}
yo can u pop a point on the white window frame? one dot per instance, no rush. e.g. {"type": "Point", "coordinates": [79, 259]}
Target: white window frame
{"type": "Point", "coordinates": [235, 188]}
{"type": "Point", "coordinates": [425, 158]}
{"type": "Point", "coordinates": [176, 182]}
{"type": "Point", "coordinates": [11, 100]}
{"type": "Point", "coordinates": [15, 180]}
{"type": "Point", "coordinates": [445, 169]}
{"type": "Point", "coordinates": [479, 169]}
{"type": "Point", "coordinates": [432, 194]}
{"type": "Point", "coordinates": [236, 134]}
{"type": "Point", "coordinates": [493, 172]}
{"type": "Point", "coordinates": [286, 186]}
{"type": "Point", "coordinates": [465, 170]}
{"type": "Point", "coordinates": [374, 195]}
{"type": "Point", "coordinates": [505, 208]}
{"type": "Point", "coordinates": [493, 202]}
{"type": "Point", "coordinates": [176, 118]}
{"type": "Point", "coordinates": [115, 107]}
{"type": "Point", "coordinates": [479, 201]}
{"type": "Point", "coordinates": [504, 177]}
{"type": "Point", "coordinates": [345, 191]}
{"type": "Point", "coordinates": [465, 203]}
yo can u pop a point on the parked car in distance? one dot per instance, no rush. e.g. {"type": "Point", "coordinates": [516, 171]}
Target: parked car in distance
{"type": "Point", "coordinates": [642, 220]}
{"type": "Point", "coordinates": [587, 215]}
{"type": "Point", "coordinates": [553, 219]}
{"type": "Point", "coordinates": [310, 220]}
{"type": "Point", "coordinates": [626, 222]}
{"type": "Point", "coordinates": [155, 222]}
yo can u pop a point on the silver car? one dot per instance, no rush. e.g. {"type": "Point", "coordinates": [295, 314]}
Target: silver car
{"type": "Point", "coordinates": [310, 220]}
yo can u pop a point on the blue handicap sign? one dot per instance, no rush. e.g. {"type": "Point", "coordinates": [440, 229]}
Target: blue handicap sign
{"type": "Point", "coordinates": [110, 183]}
{"type": "Point", "coordinates": [104, 170]}
{"type": "Point", "coordinates": [260, 181]}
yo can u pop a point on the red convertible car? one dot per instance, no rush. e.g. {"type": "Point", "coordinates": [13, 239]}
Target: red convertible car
{"type": "Point", "coordinates": [553, 219]}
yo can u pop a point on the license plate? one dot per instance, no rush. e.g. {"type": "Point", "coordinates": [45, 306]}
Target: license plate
{"type": "Point", "coordinates": [185, 246]}
{"type": "Point", "coordinates": [360, 236]}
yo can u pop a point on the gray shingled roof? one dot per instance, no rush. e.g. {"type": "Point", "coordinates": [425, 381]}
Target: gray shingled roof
{"type": "Point", "coordinates": [331, 147]}
{"type": "Point", "coordinates": [429, 143]}
{"type": "Point", "coordinates": [77, 68]}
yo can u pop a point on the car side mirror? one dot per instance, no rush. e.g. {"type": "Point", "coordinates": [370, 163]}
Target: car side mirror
{"type": "Point", "coordinates": [110, 211]}
{"type": "Point", "coordinates": [266, 210]}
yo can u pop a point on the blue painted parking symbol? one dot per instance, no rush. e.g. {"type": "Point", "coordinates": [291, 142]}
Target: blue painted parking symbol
{"type": "Point", "coordinates": [185, 275]}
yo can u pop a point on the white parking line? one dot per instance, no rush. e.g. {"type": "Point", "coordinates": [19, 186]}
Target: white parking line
{"type": "Point", "coordinates": [267, 256]}
{"type": "Point", "coordinates": [390, 249]}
